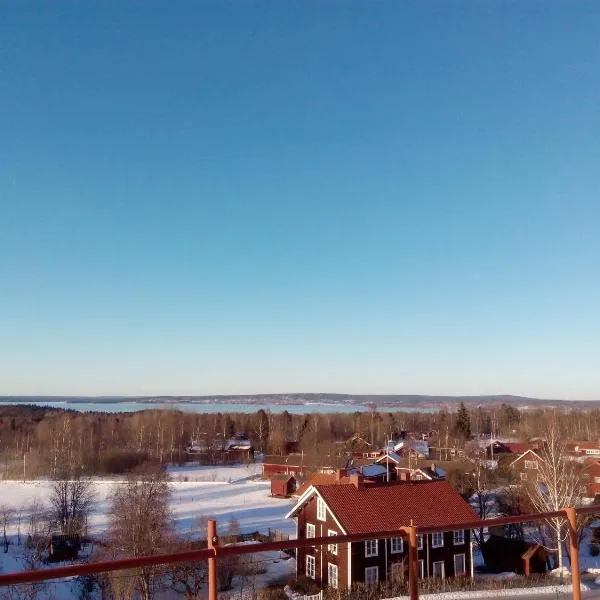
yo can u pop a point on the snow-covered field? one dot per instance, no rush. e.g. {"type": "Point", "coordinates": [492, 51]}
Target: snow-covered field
{"type": "Point", "coordinates": [220, 492]}
{"type": "Point", "coordinates": [223, 493]}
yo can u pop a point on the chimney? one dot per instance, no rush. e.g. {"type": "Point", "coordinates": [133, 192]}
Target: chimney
{"type": "Point", "coordinates": [356, 481]}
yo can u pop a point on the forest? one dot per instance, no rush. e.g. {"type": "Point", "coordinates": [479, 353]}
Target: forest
{"type": "Point", "coordinates": [36, 441]}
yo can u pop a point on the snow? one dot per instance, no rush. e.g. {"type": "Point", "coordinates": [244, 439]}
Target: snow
{"type": "Point", "coordinates": [222, 493]}
{"type": "Point", "coordinates": [532, 591]}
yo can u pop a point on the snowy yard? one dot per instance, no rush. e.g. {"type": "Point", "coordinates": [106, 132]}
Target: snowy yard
{"type": "Point", "coordinates": [220, 492]}
{"type": "Point", "coordinates": [223, 493]}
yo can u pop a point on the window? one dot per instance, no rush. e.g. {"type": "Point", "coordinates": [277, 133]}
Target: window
{"type": "Point", "coordinates": [460, 565]}
{"type": "Point", "coordinates": [371, 548]}
{"type": "Point", "coordinates": [438, 569]}
{"type": "Point", "coordinates": [332, 575]}
{"type": "Point", "coordinates": [397, 545]}
{"type": "Point", "coordinates": [310, 530]}
{"type": "Point", "coordinates": [437, 540]}
{"type": "Point", "coordinates": [371, 575]}
{"type": "Point", "coordinates": [459, 537]}
{"type": "Point", "coordinates": [332, 547]}
{"type": "Point", "coordinates": [320, 509]}
{"type": "Point", "coordinates": [523, 476]}
{"type": "Point", "coordinates": [596, 479]}
{"type": "Point", "coordinates": [540, 477]}
{"type": "Point", "coordinates": [531, 464]}
{"type": "Point", "coordinates": [420, 541]}
{"type": "Point", "coordinates": [421, 569]}
{"type": "Point", "coordinates": [310, 566]}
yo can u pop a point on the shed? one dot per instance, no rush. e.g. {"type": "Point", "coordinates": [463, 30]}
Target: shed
{"type": "Point", "coordinates": [283, 485]}
{"type": "Point", "coordinates": [503, 554]}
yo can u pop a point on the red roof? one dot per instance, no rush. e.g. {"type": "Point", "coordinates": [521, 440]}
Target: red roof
{"type": "Point", "coordinates": [394, 505]}
{"type": "Point", "coordinates": [321, 479]}
{"type": "Point", "coordinates": [519, 447]}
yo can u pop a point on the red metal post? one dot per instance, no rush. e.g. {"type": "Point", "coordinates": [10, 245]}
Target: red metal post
{"type": "Point", "coordinates": [213, 542]}
{"type": "Point", "coordinates": [574, 552]}
{"type": "Point", "coordinates": [413, 564]}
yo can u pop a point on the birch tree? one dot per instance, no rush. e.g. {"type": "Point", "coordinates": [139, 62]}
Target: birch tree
{"type": "Point", "coordinates": [560, 485]}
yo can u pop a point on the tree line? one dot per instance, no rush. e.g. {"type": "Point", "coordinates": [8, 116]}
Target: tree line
{"type": "Point", "coordinates": [35, 441]}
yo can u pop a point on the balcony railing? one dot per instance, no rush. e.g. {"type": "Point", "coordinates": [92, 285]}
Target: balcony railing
{"type": "Point", "coordinates": [214, 552]}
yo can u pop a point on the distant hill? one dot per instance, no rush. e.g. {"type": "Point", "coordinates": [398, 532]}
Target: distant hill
{"type": "Point", "coordinates": [381, 401]}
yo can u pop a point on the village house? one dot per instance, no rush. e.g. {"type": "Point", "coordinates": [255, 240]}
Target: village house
{"type": "Point", "coordinates": [360, 507]}
{"type": "Point", "coordinates": [591, 473]}
{"type": "Point", "coordinates": [584, 449]}
{"type": "Point", "coordinates": [526, 466]}
{"type": "Point", "coordinates": [299, 465]}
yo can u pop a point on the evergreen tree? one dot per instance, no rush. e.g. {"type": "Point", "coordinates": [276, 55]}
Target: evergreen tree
{"type": "Point", "coordinates": [462, 426]}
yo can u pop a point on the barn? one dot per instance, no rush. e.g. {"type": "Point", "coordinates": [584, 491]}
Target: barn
{"type": "Point", "coordinates": [283, 485]}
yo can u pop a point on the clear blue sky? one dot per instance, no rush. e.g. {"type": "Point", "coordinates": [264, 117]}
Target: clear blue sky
{"type": "Point", "coordinates": [357, 196]}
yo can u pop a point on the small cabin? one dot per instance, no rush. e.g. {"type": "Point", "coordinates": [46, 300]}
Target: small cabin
{"type": "Point", "coordinates": [505, 554]}
{"type": "Point", "coordinates": [63, 547]}
{"type": "Point", "coordinates": [283, 485]}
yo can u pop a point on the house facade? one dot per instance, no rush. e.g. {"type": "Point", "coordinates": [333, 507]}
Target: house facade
{"type": "Point", "coordinates": [526, 467]}
{"type": "Point", "coordinates": [591, 473]}
{"type": "Point", "coordinates": [332, 510]}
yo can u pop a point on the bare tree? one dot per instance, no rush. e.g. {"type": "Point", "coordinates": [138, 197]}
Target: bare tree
{"type": "Point", "coordinates": [71, 501]}
{"type": "Point", "coordinates": [38, 534]}
{"type": "Point", "coordinates": [140, 521]}
{"type": "Point", "coordinates": [560, 484]}
{"type": "Point", "coordinates": [229, 566]}
{"type": "Point", "coordinates": [189, 578]}
{"type": "Point", "coordinates": [482, 481]}
{"type": "Point", "coordinates": [6, 515]}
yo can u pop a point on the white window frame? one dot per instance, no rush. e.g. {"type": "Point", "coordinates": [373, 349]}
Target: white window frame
{"type": "Point", "coordinates": [531, 464]}
{"type": "Point", "coordinates": [421, 569]}
{"type": "Point", "coordinates": [396, 545]}
{"type": "Point", "coordinates": [310, 530]}
{"type": "Point", "coordinates": [437, 542]}
{"type": "Point", "coordinates": [333, 548]}
{"type": "Point", "coordinates": [458, 537]}
{"type": "Point", "coordinates": [523, 476]}
{"type": "Point", "coordinates": [369, 544]}
{"type": "Point", "coordinates": [438, 562]}
{"type": "Point", "coordinates": [368, 579]}
{"type": "Point", "coordinates": [311, 566]}
{"type": "Point", "coordinates": [332, 576]}
{"type": "Point", "coordinates": [419, 541]}
{"type": "Point", "coordinates": [321, 509]}
{"type": "Point", "coordinates": [464, 564]}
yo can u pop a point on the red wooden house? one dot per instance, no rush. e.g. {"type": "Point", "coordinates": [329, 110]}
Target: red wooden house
{"type": "Point", "coordinates": [338, 509]}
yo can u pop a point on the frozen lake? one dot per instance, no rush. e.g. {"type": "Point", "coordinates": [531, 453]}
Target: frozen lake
{"type": "Point", "coordinates": [117, 405]}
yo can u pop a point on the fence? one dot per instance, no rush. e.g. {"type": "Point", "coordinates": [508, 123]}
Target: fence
{"type": "Point", "coordinates": [215, 551]}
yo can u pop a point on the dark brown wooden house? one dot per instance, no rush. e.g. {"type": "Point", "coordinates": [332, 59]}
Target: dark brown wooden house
{"type": "Point", "coordinates": [282, 485]}
{"type": "Point", "coordinates": [356, 507]}
{"type": "Point", "coordinates": [519, 556]}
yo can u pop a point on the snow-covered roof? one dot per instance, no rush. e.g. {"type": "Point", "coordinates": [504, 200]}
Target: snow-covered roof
{"type": "Point", "coordinates": [374, 470]}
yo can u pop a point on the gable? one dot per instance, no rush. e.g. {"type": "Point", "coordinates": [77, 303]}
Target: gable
{"type": "Point", "coordinates": [312, 492]}
{"type": "Point", "coordinates": [529, 454]}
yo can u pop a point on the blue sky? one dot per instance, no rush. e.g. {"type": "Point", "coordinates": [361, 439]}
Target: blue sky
{"type": "Point", "coordinates": [243, 197]}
